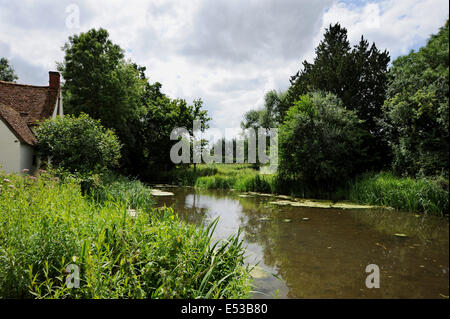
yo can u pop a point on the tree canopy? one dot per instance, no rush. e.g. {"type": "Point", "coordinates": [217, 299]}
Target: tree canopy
{"type": "Point", "coordinates": [101, 83]}
{"type": "Point", "coordinates": [6, 71]}
{"type": "Point", "coordinates": [78, 144]}
{"type": "Point", "coordinates": [416, 111]}
{"type": "Point", "coordinates": [319, 141]}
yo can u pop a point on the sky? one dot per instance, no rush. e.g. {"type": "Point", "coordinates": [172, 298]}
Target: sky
{"type": "Point", "coordinates": [227, 52]}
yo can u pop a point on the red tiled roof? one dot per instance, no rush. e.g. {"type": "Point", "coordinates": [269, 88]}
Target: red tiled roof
{"type": "Point", "coordinates": [21, 106]}
{"type": "Point", "coordinates": [17, 124]}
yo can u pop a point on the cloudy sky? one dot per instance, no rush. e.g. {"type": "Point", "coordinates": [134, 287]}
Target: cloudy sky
{"type": "Point", "coordinates": [228, 52]}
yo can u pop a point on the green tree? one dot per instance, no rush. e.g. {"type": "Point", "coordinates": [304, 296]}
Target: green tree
{"type": "Point", "coordinates": [357, 76]}
{"type": "Point", "coordinates": [319, 142]}
{"type": "Point", "coordinates": [416, 112]}
{"type": "Point", "coordinates": [6, 71]}
{"type": "Point", "coordinates": [99, 82]}
{"type": "Point", "coordinates": [272, 113]}
{"type": "Point", "coordinates": [162, 116]}
{"type": "Point", "coordinates": [78, 144]}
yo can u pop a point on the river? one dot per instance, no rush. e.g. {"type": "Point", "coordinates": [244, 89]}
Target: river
{"type": "Point", "coordinates": [323, 253]}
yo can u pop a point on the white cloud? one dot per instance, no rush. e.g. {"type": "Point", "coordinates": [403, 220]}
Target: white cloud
{"type": "Point", "coordinates": [395, 25]}
{"type": "Point", "coordinates": [229, 53]}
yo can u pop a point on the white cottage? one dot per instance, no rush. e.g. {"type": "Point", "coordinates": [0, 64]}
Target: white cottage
{"type": "Point", "coordinates": [21, 107]}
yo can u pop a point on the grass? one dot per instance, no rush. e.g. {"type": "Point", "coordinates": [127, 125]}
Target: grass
{"type": "Point", "coordinates": [132, 193]}
{"type": "Point", "coordinates": [383, 189]}
{"type": "Point", "coordinates": [415, 195]}
{"type": "Point", "coordinates": [46, 224]}
{"type": "Point", "coordinates": [241, 177]}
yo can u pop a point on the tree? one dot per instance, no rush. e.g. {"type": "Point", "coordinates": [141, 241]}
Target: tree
{"type": "Point", "coordinates": [78, 144]}
{"type": "Point", "coordinates": [162, 116]}
{"type": "Point", "coordinates": [319, 142]}
{"type": "Point", "coordinates": [271, 115]}
{"type": "Point", "coordinates": [416, 112]}
{"type": "Point", "coordinates": [100, 83]}
{"type": "Point", "coordinates": [357, 76]}
{"type": "Point", "coordinates": [6, 71]}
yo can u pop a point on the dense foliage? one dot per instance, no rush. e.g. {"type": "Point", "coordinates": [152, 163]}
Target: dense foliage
{"type": "Point", "coordinates": [78, 144]}
{"type": "Point", "coordinates": [401, 115]}
{"type": "Point", "coordinates": [416, 112]}
{"type": "Point", "coordinates": [319, 142]}
{"type": "Point", "coordinates": [6, 71]}
{"type": "Point", "coordinates": [358, 76]}
{"type": "Point", "coordinates": [45, 225]}
{"type": "Point", "coordinates": [99, 82]}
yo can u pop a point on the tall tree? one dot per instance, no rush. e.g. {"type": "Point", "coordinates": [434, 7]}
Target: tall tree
{"type": "Point", "coordinates": [99, 82]}
{"type": "Point", "coordinates": [416, 112]}
{"type": "Point", "coordinates": [357, 76]}
{"type": "Point", "coordinates": [6, 71]}
{"type": "Point", "coordinates": [319, 142]}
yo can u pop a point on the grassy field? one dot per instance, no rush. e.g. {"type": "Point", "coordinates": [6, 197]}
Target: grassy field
{"type": "Point", "coordinates": [123, 247]}
{"type": "Point", "coordinates": [384, 189]}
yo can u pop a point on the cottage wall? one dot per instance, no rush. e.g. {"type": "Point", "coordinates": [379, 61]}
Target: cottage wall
{"type": "Point", "coordinates": [10, 150]}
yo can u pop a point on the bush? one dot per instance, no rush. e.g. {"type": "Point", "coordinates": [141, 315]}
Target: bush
{"type": "Point", "coordinates": [320, 142]}
{"type": "Point", "coordinates": [78, 144]}
{"type": "Point", "coordinates": [45, 225]}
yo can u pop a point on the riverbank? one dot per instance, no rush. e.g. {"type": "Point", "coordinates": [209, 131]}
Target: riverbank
{"type": "Point", "coordinates": [381, 189]}
{"type": "Point", "coordinates": [122, 247]}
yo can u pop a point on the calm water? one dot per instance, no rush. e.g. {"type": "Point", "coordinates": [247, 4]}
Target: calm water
{"type": "Point", "coordinates": [326, 256]}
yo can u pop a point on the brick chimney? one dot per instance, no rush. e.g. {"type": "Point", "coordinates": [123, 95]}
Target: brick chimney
{"type": "Point", "coordinates": [53, 80]}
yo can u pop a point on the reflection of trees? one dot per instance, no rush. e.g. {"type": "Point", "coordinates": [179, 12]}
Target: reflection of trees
{"type": "Point", "coordinates": [189, 213]}
{"type": "Point", "coordinates": [299, 250]}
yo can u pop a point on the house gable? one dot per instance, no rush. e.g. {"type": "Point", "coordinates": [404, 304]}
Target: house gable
{"type": "Point", "coordinates": [23, 106]}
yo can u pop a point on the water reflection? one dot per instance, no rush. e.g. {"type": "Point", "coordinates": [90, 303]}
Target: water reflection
{"type": "Point", "coordinates": [326, 255]}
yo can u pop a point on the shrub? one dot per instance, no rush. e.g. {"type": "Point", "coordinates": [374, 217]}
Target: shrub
{"type": "Point", "coordinates": [320, 142]}
{"type": "Point", "coordinates": [78, 144]}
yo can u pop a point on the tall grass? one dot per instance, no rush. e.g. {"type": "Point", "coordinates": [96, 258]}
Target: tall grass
{"type": "Point", "coordinates": [133, 193]}
{"type": "Point", "coordinates": [416, 195]}
{"type": "Point", "coordinates": [46, 224]}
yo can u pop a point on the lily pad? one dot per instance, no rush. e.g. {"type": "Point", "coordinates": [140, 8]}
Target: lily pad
{"type": "Point", "coordinates": [287, 220]}
{"type": "Point", "coordinates": [281, 202]}
{"type": "Point", "coordinates": [400, 235]}
{"type": "Point", "coordinates": [320, 204]}
{"type": "Point", "coordinates": [344, 205]}
{"type": "Point", "coordinates": [305, 219]}
{"type": "Point", "coordinates": [264, 218]}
